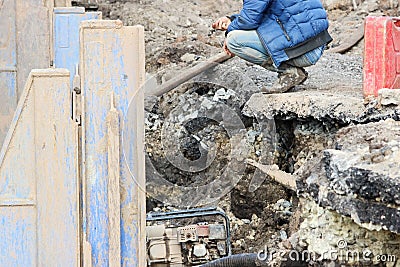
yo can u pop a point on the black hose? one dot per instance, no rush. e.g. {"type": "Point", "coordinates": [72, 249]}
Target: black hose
{"type": "Point", "coordinates": [238, 260]}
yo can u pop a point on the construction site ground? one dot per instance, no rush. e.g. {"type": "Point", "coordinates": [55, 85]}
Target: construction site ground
{"type": "Point", "coordinates": [178, 35]}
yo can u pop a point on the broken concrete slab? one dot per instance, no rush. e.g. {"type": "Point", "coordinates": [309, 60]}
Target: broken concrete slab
{"type": "Point", "coordinates": [360, 178]}
{"type": "Point", "coordinates": [321, 105]}
{"type": "Point", "coordinates": [310, 104]}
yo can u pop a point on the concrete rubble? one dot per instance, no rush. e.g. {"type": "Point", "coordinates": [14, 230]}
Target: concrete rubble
{"type": "Point", "coordinates": [351, 174]}
{"type": "Point", "coordinates": [331, 238]}
{"type": "Point", "coordinates": [344, 150]}
{"type": "Point", "coordinates": [349, 187]}
{"type": "Point", "coordinates": [388, 97]}
{"type": "Point", "coordinates": [360, 177]}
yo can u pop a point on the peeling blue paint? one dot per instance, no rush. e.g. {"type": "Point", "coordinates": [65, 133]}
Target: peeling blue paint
{"type": "Point", "coordinates": [102, 78]}
{"type": "Point", "coordinates": [67, 51]}
{"type": "Point", "coordinates": [17, 233]}
{"type": "Point", "coordinates": [129, 229]}
{"type": "Point", "coordinates": [66, 36]}
{"type": "Point", "coordinates": [34, 230]}
{"type": "Point", "coordinates": [112, 77]}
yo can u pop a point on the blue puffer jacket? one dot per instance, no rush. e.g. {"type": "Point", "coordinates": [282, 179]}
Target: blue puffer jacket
{"type": "Point", "coordinates": [284, 25]}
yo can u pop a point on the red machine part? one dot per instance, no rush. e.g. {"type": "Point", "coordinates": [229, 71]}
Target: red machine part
{"type": "Point", "coordinates": [381, 54]}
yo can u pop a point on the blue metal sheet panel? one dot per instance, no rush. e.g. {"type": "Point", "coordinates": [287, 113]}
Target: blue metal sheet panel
{"type": "Point", "coordinates": [56, 150]}
{"type": "Point", "coordinates": [66, 36]}
{"type": "Point", "coordinates": [8, 58]}
{"type": "Point", "coordinates": [8, 63]}
{"type": "Point", "coordinates": [133, 205]}
{"type": "Point", "coordinates": [96, 107]}
{"type": "Point", "coordinates": [8, 101]}
{"type": "Point", "coordinates": [17, 235]}
{"type": "Point", "coordinates": [38, 177]}
{"type": "Point", "coordinates": [17, 182]}
{"type": "Point", "coordinates": [110, 66]}
{"type": "Point", "coordinates": [32, 37]}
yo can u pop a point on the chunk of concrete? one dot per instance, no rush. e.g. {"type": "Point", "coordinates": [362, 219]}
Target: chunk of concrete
{"type": "Point", "coordinates": [388, 97]}
{"type": "Point", "coordinates": [319, 105]}
{"type": "Point", "coordinates": [360, 178]}
{"type": "Point", "coordinates": [322, 106]}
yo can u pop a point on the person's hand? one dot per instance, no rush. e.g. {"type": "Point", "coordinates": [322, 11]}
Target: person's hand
{"type": "Point", "coordinates": [226, 49]}
{"type": "Point", "coordinates": [221, 24]}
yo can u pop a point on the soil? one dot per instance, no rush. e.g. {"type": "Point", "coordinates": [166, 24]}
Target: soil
{"type": "Point", "coordinates": [178, 35]}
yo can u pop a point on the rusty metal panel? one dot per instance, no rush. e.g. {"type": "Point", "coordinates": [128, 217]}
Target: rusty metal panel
{"type": "Point", "coordinates": [33, 39]}
{"type": "Point", "coordinates": [112, 64]}
{"type": "Point", "coordinates": [66, 36]}
{"type": "Point", "coordinates": [38, 177]}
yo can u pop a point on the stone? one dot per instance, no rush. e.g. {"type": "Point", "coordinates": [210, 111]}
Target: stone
{"type": "Point", "coordinates": [246, 221]}
{"type": "Point", "coordinates": [189, 58]}
{"type": "Point", "coordinates": [284, 235]}
{"type": "Point", "coordinates": [388, 97]}
{"type": "Point", "coordinates": [223, 94]}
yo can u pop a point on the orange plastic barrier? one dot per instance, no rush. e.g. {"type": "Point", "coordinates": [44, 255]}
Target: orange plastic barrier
{"type": "Point", "coordinates": [381, 54]}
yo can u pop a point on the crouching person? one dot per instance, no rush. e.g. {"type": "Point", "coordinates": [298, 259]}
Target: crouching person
{"type": "Point", "coordinates": [281, 35]}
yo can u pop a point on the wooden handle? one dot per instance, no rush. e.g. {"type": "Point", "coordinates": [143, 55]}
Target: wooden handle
{"type": "Point", "coordinates": [187, 75]}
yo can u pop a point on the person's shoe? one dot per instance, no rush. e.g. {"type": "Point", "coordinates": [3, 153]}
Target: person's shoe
{"type": "Point", "coordinates": [287, 80]}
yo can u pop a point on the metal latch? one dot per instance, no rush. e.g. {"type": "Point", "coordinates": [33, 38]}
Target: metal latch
{"type": "Point", "coordinates": [76, 97]}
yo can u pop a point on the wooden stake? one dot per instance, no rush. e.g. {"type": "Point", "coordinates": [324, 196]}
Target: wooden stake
{"type": "Point", "coordinates": [286, 179]}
